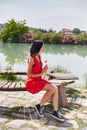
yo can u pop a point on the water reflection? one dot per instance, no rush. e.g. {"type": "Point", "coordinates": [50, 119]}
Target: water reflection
{"type": "Point", "coordinates": [67, 49]}
{"type": "Point", "coordinates": [14, 53]}
{"type": "Point", "coordinates": [72, 58]}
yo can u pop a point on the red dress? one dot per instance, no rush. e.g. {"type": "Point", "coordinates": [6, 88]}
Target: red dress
{"type": "Point", "coordinates": [36, 84]}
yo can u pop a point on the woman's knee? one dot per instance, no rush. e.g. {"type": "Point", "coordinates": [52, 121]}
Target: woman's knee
{"type": "Point", "coordinates": [50, 87]}
{"type": "Point", "coordinates": [54, 88]}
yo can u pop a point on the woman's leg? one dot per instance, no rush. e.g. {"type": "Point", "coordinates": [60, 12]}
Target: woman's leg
{"type": "Point", "coordinates": [52, 91]}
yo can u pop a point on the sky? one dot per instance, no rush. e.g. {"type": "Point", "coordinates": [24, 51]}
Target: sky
{"type": "Point", "coordinates": [46, 14]}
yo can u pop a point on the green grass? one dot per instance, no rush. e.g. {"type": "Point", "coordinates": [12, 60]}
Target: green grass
{"type": "Point", "coordinates": [85, 81]}
{"type": "Point", "coordinates": [61, 69]}
{"type": "Point", "coordinates": [71, 91]}
{"type": "Point", "coordinates": [10, 77]}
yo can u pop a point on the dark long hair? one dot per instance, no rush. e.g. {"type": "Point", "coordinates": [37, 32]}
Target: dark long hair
{"type": "Point", "coordinates": [36, 46]}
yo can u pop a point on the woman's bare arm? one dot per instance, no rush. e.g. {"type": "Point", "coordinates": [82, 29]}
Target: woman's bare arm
{"type": "Point", "coordinates": [29, 70]}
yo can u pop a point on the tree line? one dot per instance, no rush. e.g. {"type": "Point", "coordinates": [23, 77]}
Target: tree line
{"type": "Point", "coordinates": [18, 32]}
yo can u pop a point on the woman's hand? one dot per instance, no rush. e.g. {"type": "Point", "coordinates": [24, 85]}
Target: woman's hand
{"type": "Point", "coordinates": [44, 70]}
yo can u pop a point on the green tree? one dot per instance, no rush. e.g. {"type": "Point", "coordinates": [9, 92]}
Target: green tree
{"type": "Point", "coordinates": [13, 30]}
{"type": "Point", "coordinates": [76, 31]}
{"type": "Point", "coordinates": [47, 38]}
{"type": "Point", "coordinates": [82, 39]}
{"type": "Point", "coordinates": [57, 38]}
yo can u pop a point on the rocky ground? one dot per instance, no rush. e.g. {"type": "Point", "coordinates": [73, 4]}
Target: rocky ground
{"type": "Point", "coordinates": [17, 111]}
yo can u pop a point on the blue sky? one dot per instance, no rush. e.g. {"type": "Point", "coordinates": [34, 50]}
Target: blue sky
{"type": "Point", "coordinates": [55, 14]}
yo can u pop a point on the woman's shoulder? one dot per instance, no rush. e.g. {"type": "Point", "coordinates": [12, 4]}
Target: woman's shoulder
{"type": "Point", "coordinates": [30, 59]}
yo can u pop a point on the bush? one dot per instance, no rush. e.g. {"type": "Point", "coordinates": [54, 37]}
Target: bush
{"type": "Point", "coordinates": [13, 30]}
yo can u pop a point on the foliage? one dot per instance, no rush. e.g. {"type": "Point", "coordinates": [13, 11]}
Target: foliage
{"type": "Point", "coordinates": [71, 92]}
{"type": "Point", "coordinates": [47, 38]}
{"type": "Point", "coordinates": [76, 31]}
{"type": "Point", "coordinates": [56, 39]}
{"type": "Point", "coordinates": [37, 31]}
{"type": "Point", "coordinates": [82, 38]}
{"type": "Point", "coordinates": [85, 81]}
{"type": "Point", "coordinates": [68, 39]}
{"type": "Point", "coordinates": [9, 77]}
{"type": "Point", "coordinates": [25, 38]}
{"type": "Point", "coordinates": [13, 30]}
{"type": "Point", "coordinates": [61, 69]}
{"type": "Point", "coordinates": [51, 30]}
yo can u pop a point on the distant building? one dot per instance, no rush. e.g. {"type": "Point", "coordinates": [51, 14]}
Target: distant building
{"type": "Point", "coordinates": [66, 31]}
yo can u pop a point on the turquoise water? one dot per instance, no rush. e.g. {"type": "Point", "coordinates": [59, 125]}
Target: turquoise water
{"type": "Point", "coordinates": [71, 58]}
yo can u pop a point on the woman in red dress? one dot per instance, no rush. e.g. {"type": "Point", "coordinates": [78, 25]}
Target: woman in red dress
{"type": "Point", "coordinates": [35, 83]}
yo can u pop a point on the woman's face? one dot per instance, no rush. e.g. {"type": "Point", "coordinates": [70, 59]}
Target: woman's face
{"type": "Point", "coordinates": [42, 48]}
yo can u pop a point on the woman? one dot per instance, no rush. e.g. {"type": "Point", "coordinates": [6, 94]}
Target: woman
{"type": "Point", "coordinates": [35, 83]}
